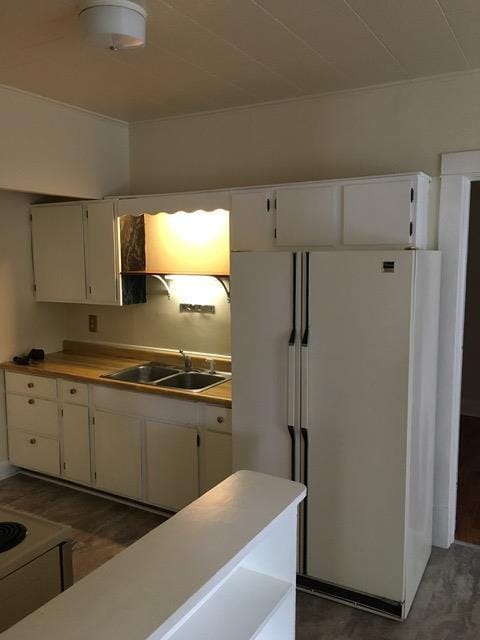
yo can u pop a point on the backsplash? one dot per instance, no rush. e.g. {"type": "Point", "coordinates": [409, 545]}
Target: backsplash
{"type": "Point", "coordinates": [159, 323]}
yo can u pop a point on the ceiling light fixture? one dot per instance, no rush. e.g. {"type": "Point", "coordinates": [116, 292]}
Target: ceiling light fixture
{"type": "Point", "coordinates": [113, 24]}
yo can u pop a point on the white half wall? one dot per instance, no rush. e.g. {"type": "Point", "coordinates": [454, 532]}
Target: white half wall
{"type": "Point", "coordinates": [51, 148]}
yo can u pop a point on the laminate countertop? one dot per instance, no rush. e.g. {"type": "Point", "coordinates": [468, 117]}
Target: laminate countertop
{"type": "Point", "coordinates": [89, 367]}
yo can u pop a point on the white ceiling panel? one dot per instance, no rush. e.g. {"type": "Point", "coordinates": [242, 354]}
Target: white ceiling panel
{"type": "Point", "coordinates": [335, 31]}
{"type": "Point", "coordinates": [464, 19]}
{"type": "Point", "coordinates": [416, 33]}
{"type": "Point", "coordinates": [213, 54]}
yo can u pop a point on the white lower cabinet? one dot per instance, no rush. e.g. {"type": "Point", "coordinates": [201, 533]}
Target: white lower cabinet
{"type": "Point", "coordinates": [217, 458]}
{"type": "Point", "coordinates": [117, 454]}
{"type": "Point", "coordinates": [34, 452]}
{"type": "Point", "coordinates": [158, 450]}
{"type": "Point", "coordinates": [171, 465]}
{"type": "Point", "coordinates": [76, 443]}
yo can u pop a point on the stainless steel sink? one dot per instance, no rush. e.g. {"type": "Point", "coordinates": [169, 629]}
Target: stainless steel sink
{"type": "Point", "coordinates": [193, 380]}
{"type": "Point", "coordinates": [143, 373]}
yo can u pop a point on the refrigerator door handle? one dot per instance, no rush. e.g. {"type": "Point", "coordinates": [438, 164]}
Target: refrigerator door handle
{"type": "Point", "coordinates": [291, 373]}
{"type": "Point", "coordinates": [304, 432]}
{"type": "Point", "coordinates": [304, 346]}
{"type": "Point", "coordinates": [292, 350]}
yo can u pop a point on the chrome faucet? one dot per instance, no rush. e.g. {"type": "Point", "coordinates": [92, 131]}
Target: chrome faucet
{"type": "Point", "coordinates": [187, 360]}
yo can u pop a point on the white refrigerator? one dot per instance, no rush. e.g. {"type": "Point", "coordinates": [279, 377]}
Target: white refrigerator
{"type": "Point", "coordinates": [334, 357]}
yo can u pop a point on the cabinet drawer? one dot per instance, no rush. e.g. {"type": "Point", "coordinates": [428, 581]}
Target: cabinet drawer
{"type": "Point", "coordinates": [32, 414]}
{"type": "Point", "coordinates": [33, 385]}
{"type": "Point", "coordinates": [217, 418]}
{"type": "Point", "coordinates": [34, 452]}
{"type": "Point", "coordinates": [73, 392]}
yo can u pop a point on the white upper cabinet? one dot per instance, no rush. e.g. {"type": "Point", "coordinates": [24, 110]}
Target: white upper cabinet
{"type": "Point", "coordinates": [76, 252]}
{"type": "Point", "coordinates": [307, 216]}
{"type": "Point", "coordinates": [382, 210]}
{"type": "Point", "coordinates": [101, 253]}
{"type": "Point", "coordinates": [252, 220]}
{"type": "Point", "coordinates": [58, 253]}
{"type": "Point", "coordinates": [386, 211]}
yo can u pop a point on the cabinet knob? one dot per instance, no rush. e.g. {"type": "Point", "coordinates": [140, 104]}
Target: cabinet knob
{"type": "Point", "coordinates": [30, 385]}
{"type": "Point", "coordinates": [31, 401]}
{"type": "Point", "coordinates": [219, 419]}
{"type": "Point", "coordinates": [33, 441]}
{"type": "Point", "coordinates": [73, 391]}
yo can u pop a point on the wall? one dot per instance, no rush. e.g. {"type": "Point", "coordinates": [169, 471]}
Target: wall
{"type": "Point", "coordinates": [390, 129]}
{"type": "Point", "coordinates": [24, 323]}
{"type": "Point", "coordinates": [51, 148]}
{"type": "Point", "coordinates": [471, 337]}
{"type": "Point", "coordinates": [159, 322]}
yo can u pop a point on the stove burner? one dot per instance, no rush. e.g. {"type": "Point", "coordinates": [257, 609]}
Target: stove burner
{"type": "Point", "coordinates": [11, 534]}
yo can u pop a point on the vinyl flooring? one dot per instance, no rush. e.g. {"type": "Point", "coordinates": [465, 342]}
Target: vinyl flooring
{"type": "Point", "coordinates": [101, 528]}
{"type": "Point", "coordinates": [468, 489]}
{"type": "Point", "coordinates": [447, 606]}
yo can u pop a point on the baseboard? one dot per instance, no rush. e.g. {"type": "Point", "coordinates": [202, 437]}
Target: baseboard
{"type": "Point", "coordinates": [441, 537]}
{"type": "Point", "coordinates": [470, 407]}
{"type": "Point", "coordinates": [7, 469]}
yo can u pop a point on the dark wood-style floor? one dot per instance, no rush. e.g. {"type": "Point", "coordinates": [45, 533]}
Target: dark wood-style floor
{"type": "Point", "coordinates": [468, 489]}
{"type": "Point", "coordinates": [101, 528]}
{"type": "Point", "coordinates": [447, 606]}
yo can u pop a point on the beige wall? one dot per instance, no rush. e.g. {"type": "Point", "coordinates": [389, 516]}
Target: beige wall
{"type": "Point", "coordinates": [24, 323]}
{"type": "Point", "coordinates": [47, 147]}
{"type": "Point", "coordinates": [159, 322]}
{"type": "Point", "coordinates": [471, 339]}
{"type": "Point", "coordinates": [390, 129]}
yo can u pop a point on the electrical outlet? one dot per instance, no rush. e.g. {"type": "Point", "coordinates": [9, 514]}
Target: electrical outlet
{"type": "Point", "coordinates": [93, 324]}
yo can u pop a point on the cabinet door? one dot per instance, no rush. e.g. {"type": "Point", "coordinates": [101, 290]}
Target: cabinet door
{"type": "Point", "coordinates": [378, 213]}
{"type": "Point", "coordinates": [58, 253]}
{"type": "Point", "coordinates": [117, 454]}
{"type": "Point", "coordinates": [76, 443]}
{"type": "Point", "coordinates": [308, 216]}
{"type": "Point", "coordinates": [217, 458]}
{"type": "Point", "coordinates": [101, 253]}
{"type": "Point", "coordinates": [171, 465]}
{"type": "Point", "coordinates": [252, 221]}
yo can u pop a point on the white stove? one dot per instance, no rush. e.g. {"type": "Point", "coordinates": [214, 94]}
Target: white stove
{"type": "Point", "coordinates": [35, 564]}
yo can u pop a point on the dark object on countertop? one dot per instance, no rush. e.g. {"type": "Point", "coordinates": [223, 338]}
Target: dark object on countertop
{"type": "Point", "coordinates": [35, 355]}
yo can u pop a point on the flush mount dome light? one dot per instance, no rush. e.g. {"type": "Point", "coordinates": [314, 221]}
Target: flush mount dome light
{"type": "Point", "coordinates": [113, 24]}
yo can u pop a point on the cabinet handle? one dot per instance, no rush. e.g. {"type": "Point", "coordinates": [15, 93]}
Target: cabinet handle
{"type": "Point", "coordinates": [30, 385]}
{"type": "Point", "coordinates": [73, 391]}
{"type": "Point", "coordinates": [31, 401]}
{"type": "Point", "coordinates": [33, 441]}
{"type": "Point", "coordinates": [219, 419]}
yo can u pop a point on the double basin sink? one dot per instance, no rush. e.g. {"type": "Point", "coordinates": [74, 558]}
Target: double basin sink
{"type": "Point", "coordinates": [159, 375]}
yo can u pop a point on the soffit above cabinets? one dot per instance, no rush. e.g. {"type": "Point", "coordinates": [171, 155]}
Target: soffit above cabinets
{"type": "Point", "coordinates": [216, 54]}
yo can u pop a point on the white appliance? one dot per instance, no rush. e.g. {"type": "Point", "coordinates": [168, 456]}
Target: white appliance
{"type": "Point", "coordinates": [35, 564]}
{"type": "Point", "coordinates": [334, 378]}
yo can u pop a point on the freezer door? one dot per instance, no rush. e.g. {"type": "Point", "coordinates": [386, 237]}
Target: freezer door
{"type": "Point", "coordinates": [262, 291]}
{"type": "Point", "coordinates": [358, 414]}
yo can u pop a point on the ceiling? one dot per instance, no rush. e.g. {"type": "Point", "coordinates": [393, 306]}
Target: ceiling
{"type": "Point", "coordinates": [213, 54]}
